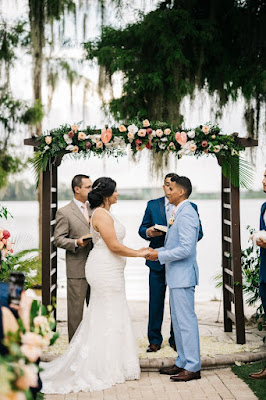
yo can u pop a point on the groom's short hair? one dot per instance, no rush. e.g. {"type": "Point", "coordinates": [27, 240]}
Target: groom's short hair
{"type": "Point", "coordinates": [170, 175]}
{"type": "Point", "coordinates": [184, 182]}
{"type": "Point", "coordinates": [77, 181]}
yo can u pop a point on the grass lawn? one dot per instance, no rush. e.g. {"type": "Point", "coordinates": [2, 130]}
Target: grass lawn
{"type": "Point", "coordinates": [258, 386]}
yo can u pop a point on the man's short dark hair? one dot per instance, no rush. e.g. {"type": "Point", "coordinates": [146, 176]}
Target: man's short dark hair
{"type": "Point", "coordinates": [170, 175]}
{"type": "Point", "coordinates": [184, 182]}
{"type": "Point", "coordinates": [77, 181]}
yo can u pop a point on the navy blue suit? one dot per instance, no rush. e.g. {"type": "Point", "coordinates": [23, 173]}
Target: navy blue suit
{"type": "Point", "coordinates": [263, 260]}
{"type": "Point", "coordinates": [155, 214]}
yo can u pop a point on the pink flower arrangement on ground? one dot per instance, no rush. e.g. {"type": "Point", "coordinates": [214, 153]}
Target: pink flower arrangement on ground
{"type": "Point", "coordinates": [5, 242]}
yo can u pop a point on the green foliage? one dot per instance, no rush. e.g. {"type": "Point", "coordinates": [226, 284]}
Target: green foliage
{"type": "Point", "coordinates": [33, 115]}
{"type": "Point", "coordinates": [4, 212]}
{"type": "Point", "coordinates": [182, 46]}
{"type": "Point", "coordinates": [10, 38]}
{"type": "Point", "coordinates": [257, 386]}
{"type": "Point", "coordinates": [8, 165]}
{"type": "Point", "coordinates": [25, 261]}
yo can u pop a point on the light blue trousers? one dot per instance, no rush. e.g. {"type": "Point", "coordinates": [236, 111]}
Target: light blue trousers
{"type": "Point", "coordinates": [186, 329]}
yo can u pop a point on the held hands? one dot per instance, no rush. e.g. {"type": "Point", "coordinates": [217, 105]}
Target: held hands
{"type": "Point", "coordinates": [261, 243]}
{"type": "Point", "coordinates": [152, 232]}
{"type": "Point", "coordinates": [148, 253]}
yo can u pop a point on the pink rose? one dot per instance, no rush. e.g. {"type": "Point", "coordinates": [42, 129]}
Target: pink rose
{"type": "Point", "coordinates": [32, 353]}
{"type": "Point", "coordinates": [48, 139]}
{"type": "Point", "coordinates": [205, 129]}
{"type": "Point", "coordinates": [149, 131]}
{"type": "Point", "coordinates": [4, 241]}
{"type": "Point", "coordinates": [122, 128]}
{"type": "Point", "coordinates": [138, 142]}
{"type": "Point", "coordinates": [142, 132]}
{"type": "Point", "coordinates": [81, 136]}
{"type": "Point", "coordinates": [167, 131]}
{"type": "Point", "coordinates": [6, 234]}
{"type": "Point", "coordinates": [148, 145]}
{"type": "Point", "coordinates": [146, 123]}
{"type": "Point", "coordinates": [204, 143]}
{"type": "Point", "coordinates": [88, 145]}
{"type": "Point", "coordinates": [71, 134]}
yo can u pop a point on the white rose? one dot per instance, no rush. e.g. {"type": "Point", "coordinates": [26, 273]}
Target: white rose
{"type": "Point", "coordinates": [191, 134]}
{"type": "Point", "coordinates": [68, 140]}
{"type": "Point", "coordinates": [70, 147]}
{"type": "Point", "coordinates": [132, 129]}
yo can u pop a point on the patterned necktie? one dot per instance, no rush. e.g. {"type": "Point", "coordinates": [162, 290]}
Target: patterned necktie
{"type": "Point", "coordinates": [85, 213]}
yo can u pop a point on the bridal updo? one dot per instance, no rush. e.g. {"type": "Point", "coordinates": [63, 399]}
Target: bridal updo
{"type": "Point", "coordinates": [101, 189]}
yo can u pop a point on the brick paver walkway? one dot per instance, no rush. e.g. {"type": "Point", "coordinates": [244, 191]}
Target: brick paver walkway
{"type": "Point", "coordinates": [214, 385]}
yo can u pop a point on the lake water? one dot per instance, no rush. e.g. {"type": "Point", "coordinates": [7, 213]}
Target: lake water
{"type": "Point", "coordinates": [24, 230]}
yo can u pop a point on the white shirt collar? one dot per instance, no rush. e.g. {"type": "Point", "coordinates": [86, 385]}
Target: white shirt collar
{"type": "Point", "coordinates": [166, 202]}
{"type": "Point", "coordinates": [79, 204]}
{"type": "Point", "coordinates": [178, 206]}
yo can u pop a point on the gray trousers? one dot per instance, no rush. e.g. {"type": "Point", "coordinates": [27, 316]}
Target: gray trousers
{"type": "Point", "coordinates": [77, 291]}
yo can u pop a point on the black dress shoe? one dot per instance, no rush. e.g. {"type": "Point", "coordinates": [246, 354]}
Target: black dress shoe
{"type": "Point", "coordinates": [153, 347]}
{"type": "Point", "coordinates": [173, 346]}
{"type": "Point", "coordinates": [173, 370]}
{"type": "Point", "coordinates": [185, 376]}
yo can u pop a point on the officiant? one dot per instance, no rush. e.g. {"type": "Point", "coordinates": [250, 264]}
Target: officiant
{"type": "Point", "coordinates": [158, 212]}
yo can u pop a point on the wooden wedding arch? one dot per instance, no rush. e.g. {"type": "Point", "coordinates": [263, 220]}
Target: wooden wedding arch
{"type": "Point", "coordinates": [231, 245]}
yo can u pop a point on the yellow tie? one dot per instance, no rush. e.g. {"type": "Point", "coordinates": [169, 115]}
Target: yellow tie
{"type": "Point", "coordinates": [85, 213]}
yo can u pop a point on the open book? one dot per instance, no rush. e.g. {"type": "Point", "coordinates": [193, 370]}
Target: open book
{"type": "Point", "coordinates": [161, 228]}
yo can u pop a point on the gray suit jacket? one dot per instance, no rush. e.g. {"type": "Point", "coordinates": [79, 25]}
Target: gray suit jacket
{"type": "Point", "coordinates": [70, 225]}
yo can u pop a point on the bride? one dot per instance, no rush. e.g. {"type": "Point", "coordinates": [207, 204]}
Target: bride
{"type": "Point", "coordinates": [103, 351]}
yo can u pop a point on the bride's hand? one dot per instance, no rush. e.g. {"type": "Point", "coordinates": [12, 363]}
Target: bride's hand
{"type": "Point", "coordinates": [143, 252]}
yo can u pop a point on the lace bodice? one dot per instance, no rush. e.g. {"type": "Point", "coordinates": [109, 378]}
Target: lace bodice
{"type": "Point", "coordinates": [96, 236]}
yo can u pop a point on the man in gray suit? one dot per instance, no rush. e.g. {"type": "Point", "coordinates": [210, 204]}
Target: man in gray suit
{"type": "Point", "coordinates": [72, 223]}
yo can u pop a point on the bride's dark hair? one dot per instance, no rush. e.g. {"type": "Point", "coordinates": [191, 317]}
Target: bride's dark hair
{"type": "Point", "coordinates": [101, 188]}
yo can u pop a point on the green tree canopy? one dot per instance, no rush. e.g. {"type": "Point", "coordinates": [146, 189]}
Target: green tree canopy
{"type": "Point", "coordinates": [184, 45]}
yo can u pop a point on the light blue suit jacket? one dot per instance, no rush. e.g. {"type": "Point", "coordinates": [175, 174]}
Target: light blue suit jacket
{"type": "Point", "coordinates": [179, 251]}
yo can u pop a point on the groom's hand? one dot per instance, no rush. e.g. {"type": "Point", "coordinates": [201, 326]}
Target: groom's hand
{"type": "Point", "coordinates": [152, 232]}
{"type": "Point", "coordinates": [153, 255]}
{"type": "Point", "coordinates": [82, 243]}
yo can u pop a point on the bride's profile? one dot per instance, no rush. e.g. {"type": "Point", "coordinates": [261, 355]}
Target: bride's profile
{"type": "Point", "coordinates": [103, 351]}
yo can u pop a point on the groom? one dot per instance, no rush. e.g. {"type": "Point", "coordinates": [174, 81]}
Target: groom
{"type": "Point", "coordinates": [72, 223]}
{"type": "Point", "coordinates": [179, 256]}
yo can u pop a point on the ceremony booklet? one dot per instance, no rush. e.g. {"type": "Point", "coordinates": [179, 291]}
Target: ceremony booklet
{"type": "Point", "coordinates": [161, 228]}
{"type": "Point", "coordinates": [87, 237]}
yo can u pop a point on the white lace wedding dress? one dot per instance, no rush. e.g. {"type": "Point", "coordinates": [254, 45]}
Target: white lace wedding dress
{"type": "Point", "coordinates": [103, 350]}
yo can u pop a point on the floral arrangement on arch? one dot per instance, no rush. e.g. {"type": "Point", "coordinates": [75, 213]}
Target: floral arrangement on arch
{"type": "Point", "coordinates": [158, 137]}
{"type": "Point", "coordinates": [19, 369]}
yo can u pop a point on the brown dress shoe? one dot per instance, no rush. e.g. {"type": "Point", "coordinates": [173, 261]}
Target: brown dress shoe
{"type": "Point", "coordinates": [173, 370]}
{"type": "Point", "coordinates": [185, 376]}
{"type": "Point", "coordinates": [259, 375]}
{"type": "Point", "coordinates": [153, 348]}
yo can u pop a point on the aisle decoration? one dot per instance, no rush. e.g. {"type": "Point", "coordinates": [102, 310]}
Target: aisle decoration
{"type": "Point", "coordinates": [157, 137]}
{"type": "Point", "coordinates": [19, 368]}
{"type": "Point", "coordinates": [5, 242]}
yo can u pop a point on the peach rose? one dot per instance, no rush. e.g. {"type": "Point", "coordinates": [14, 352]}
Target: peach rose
{"type": "Point", "coordinates": [122, 128]}
{"type": "Point", "coordinates": [213, 136]}
{"type": "Point", "coordinates": [48, 139]}
{"type": "Point", "coordinates": [74, 128]}
{"type": "Point", "coordinates": [146, 123]}
{"type": "Point", "coordinates": [130, 135]}
{"type": "Point", "coordinates": [1, 245]}
{"type": "Point", "coordinates": [204, 143]}
{"type": "Point", "coordinates": [81, 136]}
{"type": "Point", "coordinates": [40, 320]}
{"type": "Point", "coordinates": [171, 146]}
{"type": "Point", "coordinates": [205, 129]}
{"type": "Point", "coordinates": [32, 353]}
{"type": "Point", "coordinates": [31, 338]}
{"type": "Point", "coordinates": [99, 145]}
{"type": "Point", "coordinates": [193, 147]}
{"type": "Point", "coordinates": [4, 241]}
{"type": "Point", "coordinates": [75, 149]}
{"type": "Point", "coordinates": [29, 378]}
{"type": "Point", "coordinates": [159, 132]}
{"type": "Point", "coordinates": [142, 132]}
{"type": "Point", "coordinates": [167, 131]}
